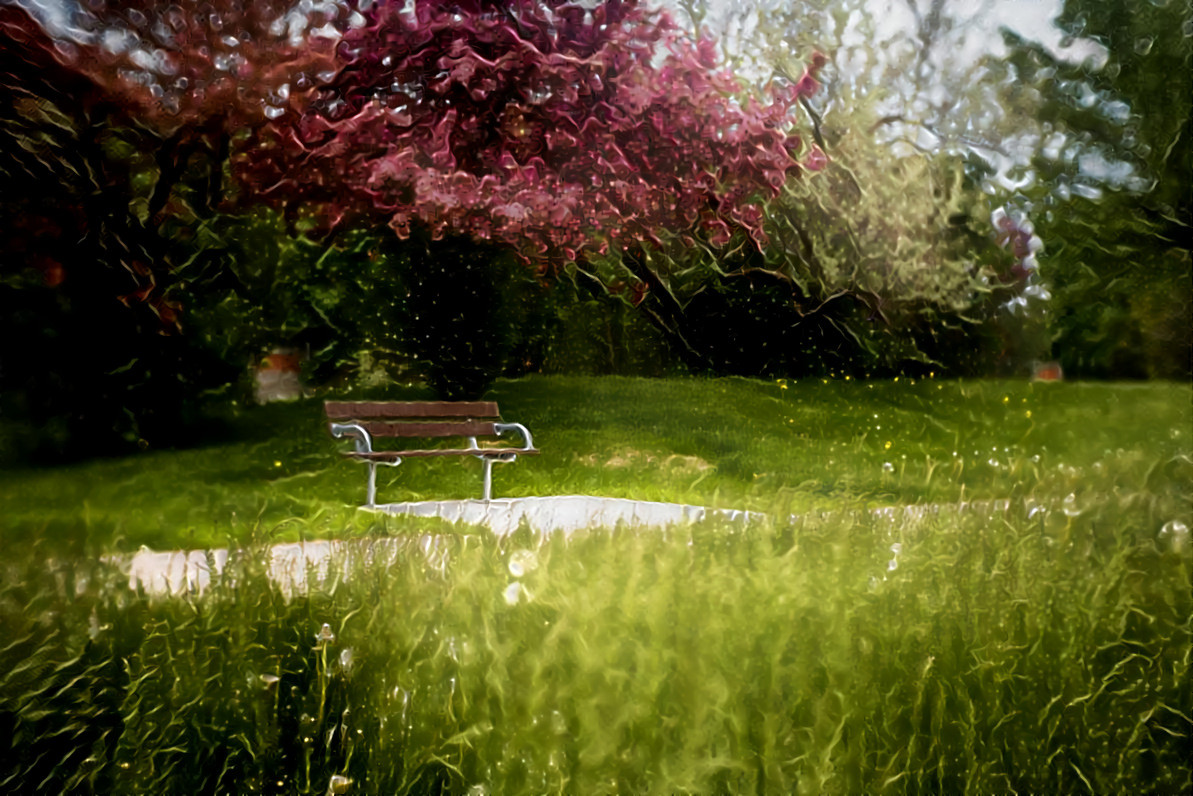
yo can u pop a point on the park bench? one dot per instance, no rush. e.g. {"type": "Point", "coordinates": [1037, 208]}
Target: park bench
{"type": "Point", "coordinates": [430, 421]}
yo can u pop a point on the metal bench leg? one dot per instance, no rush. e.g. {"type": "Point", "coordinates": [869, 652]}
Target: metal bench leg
{"type": "Point", "coordinates": [488, 493]}
{"type": "Point", "coordinates": [488, 462]}
{"type": "Point", "coordinates": [371, 493]}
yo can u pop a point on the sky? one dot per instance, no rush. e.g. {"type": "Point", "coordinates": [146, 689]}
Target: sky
{"type": "Point", "coordinates": [1032, 19]}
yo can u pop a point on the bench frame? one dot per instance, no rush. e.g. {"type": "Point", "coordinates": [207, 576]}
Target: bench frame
{"type": "Point", "coordinates": [424, 419]}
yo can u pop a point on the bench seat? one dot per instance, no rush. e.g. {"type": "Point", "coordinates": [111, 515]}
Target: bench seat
{"type": "Point", "coordinates": [363, 421]}
{"type": "Point", "coordinates": [381, 456]}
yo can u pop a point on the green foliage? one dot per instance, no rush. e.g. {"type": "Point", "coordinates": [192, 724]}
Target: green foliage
{"type": "Point", "coordinates": [951, 652]}
{"type": "Point", "coordinates": [908, 240]}
{"type": "Point", "coordinates": [836, 293]}
{"type": "Point", "coordinates": [1115, 188]}
{"type": "Point", "coordinates": [270, 287]}
{"type": "Point", "coordinates": [584, 329]}
{"type": "Point", "coordinates": [93, 361]}
{"type": "Point", "coordinates": [367, 308]}
{"type": "Point", "coordinates": [1123, 301]}
{"type": "Point", "coordinates": [884, 261]}
{"type": "Point", "coordinates": [461, 318]}
{"type": "Point", "coordinates": [1107, 187]}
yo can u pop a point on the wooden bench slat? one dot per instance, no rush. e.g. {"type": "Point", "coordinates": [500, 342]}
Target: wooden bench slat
{"type": "Point", "coordinates": [423, 410]}
{"type": "Point", "coordinates": [365, 421]}
{"type": "Point", "coordinates": [454, 428]}
{"type": "Point", "coordinates": [391, 455]}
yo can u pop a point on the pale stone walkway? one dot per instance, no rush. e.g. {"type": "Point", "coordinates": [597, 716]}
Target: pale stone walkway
{"type": "Point", "coordinates": [562, 513]}
{"type": "Point", "coordinates": [182, 571]}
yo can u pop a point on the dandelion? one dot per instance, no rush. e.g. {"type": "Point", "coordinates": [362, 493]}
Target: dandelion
{"type": "Point", "coordinates": [887, 467]}
{"type": "Point", "coordinates": [896, 548]}
{"type": "Point", "coordinates": [522, 561]}
{"type": "Point", "coordinates": [1069, 506]}
{"type": "Point", "coordinates": [1176, 534]}
{"type": "Point", "coordinates": [338, 784]}
{"type": "Point", "coordinates": [514, 593]}
{"type": "Point", "coordinates": [325, 636]}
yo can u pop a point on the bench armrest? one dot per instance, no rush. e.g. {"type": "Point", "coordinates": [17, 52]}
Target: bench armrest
{"type": "Point", "coordinates": [501, 428]}
{"type": "Point", "coordinates": [364, 443]}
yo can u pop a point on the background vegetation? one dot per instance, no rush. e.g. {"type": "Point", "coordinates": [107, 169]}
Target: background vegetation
{"type": "Point", "coordinates": [882, 262]}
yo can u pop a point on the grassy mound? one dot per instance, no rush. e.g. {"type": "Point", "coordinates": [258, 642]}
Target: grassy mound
{"type": "Point", "coordinates": [728, 443]}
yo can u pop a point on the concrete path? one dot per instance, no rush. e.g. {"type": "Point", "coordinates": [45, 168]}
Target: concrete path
{"type": "Point", "coordinates": [562, 513]}
{"type": "Point", "coordinates": [290, 565]}
{"type": "Point", "coordinates": [183, 571]}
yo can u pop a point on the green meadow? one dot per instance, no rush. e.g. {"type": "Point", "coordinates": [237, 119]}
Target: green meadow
{"type": "Point", "coordinates": [272, 472]}
{"type": "Point", "coordinates": [1044, 648]}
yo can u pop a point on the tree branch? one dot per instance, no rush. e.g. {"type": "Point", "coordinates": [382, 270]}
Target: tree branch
{"type": "Point", "coordinates": [816, 123]}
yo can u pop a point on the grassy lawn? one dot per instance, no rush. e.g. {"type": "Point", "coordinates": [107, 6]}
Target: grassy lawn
{"type": "Point", "coordinates": [728, 443]}
{"type": "Point", "coordinates": [1030, 651]}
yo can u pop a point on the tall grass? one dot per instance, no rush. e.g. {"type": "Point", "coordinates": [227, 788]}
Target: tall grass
{"type": "Point", "coordinates": [1023, 651]}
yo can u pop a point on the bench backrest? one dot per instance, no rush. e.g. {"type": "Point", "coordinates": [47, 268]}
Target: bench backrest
{"type": "Point", "coordinates": [418, 418]}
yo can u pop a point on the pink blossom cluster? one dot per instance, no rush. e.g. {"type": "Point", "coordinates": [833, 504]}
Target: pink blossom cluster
{"type": "Point", "coordinates": [543, 125]}
{"type": "Point", "coordinates": [1014, 231]}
